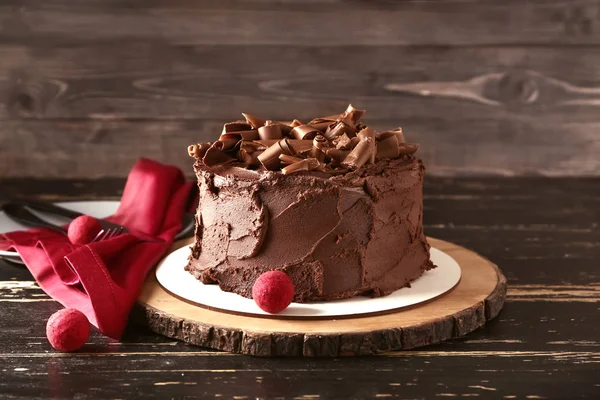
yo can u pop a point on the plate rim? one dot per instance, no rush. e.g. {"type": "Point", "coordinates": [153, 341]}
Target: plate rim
{"type": "Point", "coordinates": [262, 314]}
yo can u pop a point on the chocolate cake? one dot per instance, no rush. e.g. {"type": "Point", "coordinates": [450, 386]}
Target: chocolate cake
{"type": "Point", "coordinates": [332, 203]}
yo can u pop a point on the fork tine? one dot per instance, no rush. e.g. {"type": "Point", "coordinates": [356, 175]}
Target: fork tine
{"type": "Point", "coordinates": [108, 233]}
{"type": "Point", "coordinates": [99, 236]}
{"type": "Point", "coordinates": [114, 232]}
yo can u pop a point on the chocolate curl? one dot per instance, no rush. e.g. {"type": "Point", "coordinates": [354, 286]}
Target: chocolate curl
{"type": "Point", "coordinates": [360, 126]}
{"type": "Point", "coordinates": [329, 118]}
{"type": "Point", "coordinates": [396, 132]}
{"type": "Point", "coordinates": [287, 126]}
{"type": "Point", "coordinates": [321, 126]}
{"type": "Point", "coordinates": [287, 159]}
{"type": "Point", "coordinates": [304, 132]}
{"type": "Point", "coordinates": [353, 113]}
{"type": "Point", "coordinates": [249, 152]}
{"type": "Point", "coordinates": [287, 147]}
{"type": "Point", "coordinates": [248, 135]}
{"type": "Point", "coordinates": [214, 155]}
{"type": "Point", "coordinates": [255, 122]}
{"type": "Point", "coordinates": [388, 148]}
{"type": "Point", "coordinates": [229, 140]}
{"type": "Point", "coordinates": [360, 154]}
{"type": "Point", "coordinates": [368, 133]}
{"type": "Point", "coordinates": [198, 150]}
{"type": "Point", "coordinates": [285, 129]}
{"type": "Point", "coordinates": [270, 131]}
{"type": "Point", "coordinates": [236, 126]}
{"type": "Point", "coordinates": [308, 164]}
{"type": "Point", "coordinates": [297, 146]}
{"type": "Point", "coordinates": [337, 155]}
{"type": "Point", "coordinates": [270, 157]}
{"type": "Point", "coordinates": [320, 145]}
{"type": "Point", "coordinates": [408, 148]}
{"type": "Point", "coordinates": [337, 129]}
{"type": "Point", "coordinates": [252, 145]}
{"type": "Point", "coordinates": [250, 158]}
{"type": "Point", "coordinates": [342, 142]}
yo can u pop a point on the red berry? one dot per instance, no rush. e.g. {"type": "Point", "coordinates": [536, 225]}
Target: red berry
{"type": "Point", "coordinates": [68, 329]}
{"type": "Point", "coordinates": [83, 229]}
{"type": "Point", "coordinates": [273, 291]}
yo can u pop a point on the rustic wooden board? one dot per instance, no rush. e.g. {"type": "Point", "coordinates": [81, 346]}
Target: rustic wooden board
{"type": "Point", "coordinates": [477, 298]}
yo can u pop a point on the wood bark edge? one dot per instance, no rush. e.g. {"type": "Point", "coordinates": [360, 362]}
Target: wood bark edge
{"type": "Point", "coordinates": [267, 344]}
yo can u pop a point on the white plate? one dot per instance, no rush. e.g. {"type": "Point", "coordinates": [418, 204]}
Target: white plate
{"type": "Point", "coordinates": [171, 275]}
{"type": "Point", "coordinates": [97, 209]}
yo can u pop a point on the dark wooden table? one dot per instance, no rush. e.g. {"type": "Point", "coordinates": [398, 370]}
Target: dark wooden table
{"type": "Point", "coordinates": [543, 233]}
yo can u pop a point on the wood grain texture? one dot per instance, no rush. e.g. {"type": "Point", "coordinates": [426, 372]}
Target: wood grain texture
{"type": "Point", "coordinates": [186, 22]}
{"type": "Point", "coordinates": [544, 344]}
{"type": "Point", "coordinates": [158, 80]}
{"type": "Point", "coordinates": [497, 88]}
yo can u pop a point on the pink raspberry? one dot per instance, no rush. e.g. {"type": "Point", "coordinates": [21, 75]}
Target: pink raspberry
{"type": "Point", "coordinates": [68, 329]}
{"type": "Point", "coordinates": [83, 229]}
{"type": "Point", "coordinates": [273, 291]}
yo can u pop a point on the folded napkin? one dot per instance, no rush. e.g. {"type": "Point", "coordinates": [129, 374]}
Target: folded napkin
{"type": "Point", "coordinates": [103, 279]}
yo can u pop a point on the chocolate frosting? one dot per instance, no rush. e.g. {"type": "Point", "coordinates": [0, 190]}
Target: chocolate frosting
{"type": "Point", "coordinates": [358, 233]}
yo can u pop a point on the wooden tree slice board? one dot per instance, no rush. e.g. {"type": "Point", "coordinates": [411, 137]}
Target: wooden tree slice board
{"type": "Point", "coordinates": [477, 298]}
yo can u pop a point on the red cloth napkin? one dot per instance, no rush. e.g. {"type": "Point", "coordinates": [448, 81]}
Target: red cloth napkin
{"type": "Point", "coordinates": [103, 279]}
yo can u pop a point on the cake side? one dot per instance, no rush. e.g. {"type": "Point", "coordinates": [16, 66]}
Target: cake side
{"type": "Point", "coordinates": [357, 233]}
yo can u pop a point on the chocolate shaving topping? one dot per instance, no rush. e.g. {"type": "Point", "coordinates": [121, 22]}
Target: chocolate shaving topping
{"type": "Point", "coordinates": [332, 144]}
{"type": "Point", "coordinates": [396, 132]}
{"type": "Point", "coordinates": [198, 150]}
{"type": "Point", "coordinates": [308, 164]}
{"type": "Point", "coordinates": [329, 118]}
{"type": "Point", "coordinates": [408, 148]}
{"type": "Point", "coordinates": [342, 142]}
{"type": "Point", "coordinates": [285, 128]}
{"type": "Point", "coordinates": [270, 131]}
{"type": "Point", "coordinates": [360, 154]}
{"type": "Point", "coordinates": [287, 147]}
{"type": "Point", "coordinates": [337, 155]}
{"type": "Point", "coordinates": [287, 159]}
{"type": "Point", "coordinates": [320, 126]}
{"type": "Point", "coordinates": [368, 133]}
{"type": "Point", "coordinates": [236, 127]}
{"type": "Point", "coordinates": [320, 145]}
{"type": "Point", "coordinates": [388, 148]}
{"type": "Point", "coordinates": [247, 135]}
{"type": "Point", "coordinates": [270, 157]}
{"type": "Point", "coordinates": [229, 140]}
{"type": "Point", "coordinates": [353, 113]}
{"type": "Point", "coordinates": [215, 156]}
{"type": "Point", "coordinates": [255, 122]}
{"type": "Point", "coordinates": [305, 132]}
{"type": "Point", "coordinates": [337, 129]}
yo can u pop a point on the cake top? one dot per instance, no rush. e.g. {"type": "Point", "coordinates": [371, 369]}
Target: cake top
{"type": "Point", "coordinates": [333, 144]}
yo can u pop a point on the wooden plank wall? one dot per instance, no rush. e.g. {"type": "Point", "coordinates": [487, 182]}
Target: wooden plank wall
{"type": "Point", "coordinates": [505, 87]}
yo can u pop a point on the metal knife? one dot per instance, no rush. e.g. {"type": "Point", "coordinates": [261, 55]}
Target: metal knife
{"type": "Point", "coordinates": [23, 216]}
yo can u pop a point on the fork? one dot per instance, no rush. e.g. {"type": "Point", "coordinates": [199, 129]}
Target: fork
{"type": "Point", "coordinates": [105, 234]}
